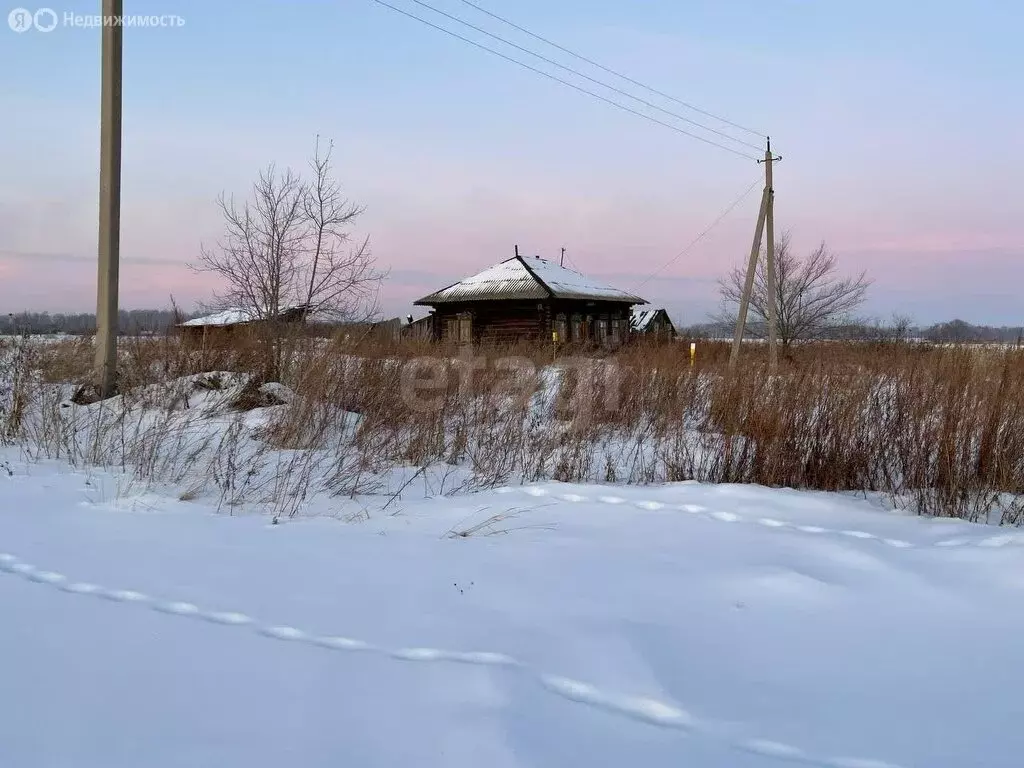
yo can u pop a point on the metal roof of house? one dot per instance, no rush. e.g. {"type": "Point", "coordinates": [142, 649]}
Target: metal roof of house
{"type": "Point", "coordinates": [641, 319]}
{"type": "Point", "coordinates": [528, 278]}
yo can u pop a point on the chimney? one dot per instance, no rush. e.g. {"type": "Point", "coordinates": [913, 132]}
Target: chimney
{"type": "Point", "coordinates": [517, 250]}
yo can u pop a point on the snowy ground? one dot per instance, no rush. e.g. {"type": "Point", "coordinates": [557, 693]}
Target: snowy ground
{"type": "Point", "coordinates": [682, 625]}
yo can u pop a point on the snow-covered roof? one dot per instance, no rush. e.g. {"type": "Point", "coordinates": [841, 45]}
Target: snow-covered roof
{"type": "Point", "coordinates": [225, 317]}
{"type": "Point", "coordinates": [234, 316]}
{"type": "Point", "coordinates": [642, 318]}
{"type": "Point", "coordinates": [528, 278]}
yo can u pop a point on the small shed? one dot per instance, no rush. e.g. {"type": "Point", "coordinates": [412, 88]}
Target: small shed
{"type": "Point", "coordinates": [652, 323]}
{"type": "Point", "coordinates": [525, 298]}
{"type": "Point", "coordinates": [421, 328]}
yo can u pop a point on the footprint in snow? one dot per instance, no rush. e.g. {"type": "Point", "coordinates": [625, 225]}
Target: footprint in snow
{"type": "Point", "coordinates": [341, 643]}
{"type": "Point", "coordinates": [858, 534]}
{"type": "Point", "coordinates": [177, 609]}
{"type": "Point", "coordinates": [10, 566]}
{"type": "Point", "coordinates": [649, 505]}
{"type": "Point", "coordinates": [124, 596]}
{"type": "Point", "coordinates": [283, 633]}
{"type": "Point", "coordinates": [228, 618]}
{"type": "Point", "coordinates": [773, 749]}
{"type": "Point", "coordinates": [997, 541]}
{"type": "Point", "coordinates": [47, 577]}
{"type": "Point", "coordinates": [483, 658]}
{"type": "Point", "coordinates": [810, 529]}
{"type": "Point", "coordinates": [858, 762]}
{"type": "Point", "coordinates": [648, 710]}
{"type": "Point", "coordinates": [81, 588]}
{"type": "Point", "coordinates": [611, 500]}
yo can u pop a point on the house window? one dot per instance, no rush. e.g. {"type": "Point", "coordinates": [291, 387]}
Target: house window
{"type": "Point", "coordinates": [465, 324]}
{"type": "Point", "coordinates": [576, 331]}
{"type": "Point", "coordinates": [602, 330]}
{"type": "Point", "coordinates": [561, 328]}
{"type": "Point", "coordinates": [459, 328]}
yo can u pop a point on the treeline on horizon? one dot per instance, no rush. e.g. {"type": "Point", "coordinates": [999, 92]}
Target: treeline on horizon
{"type": "Point", "coordinates": [159, 321]}
{"type": "Point", "coordinates": [130, 321]}
{"type": "Point", "coordinates": [956, 331]}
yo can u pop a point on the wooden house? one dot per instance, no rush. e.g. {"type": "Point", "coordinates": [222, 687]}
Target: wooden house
{"type": "Point", "coordinates": [526, 298]}
{"type": "Point", "coordinates": [653, 323]}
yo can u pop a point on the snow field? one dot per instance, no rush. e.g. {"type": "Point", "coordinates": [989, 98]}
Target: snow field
{"type": "Point", "coordinates": [710, 625]}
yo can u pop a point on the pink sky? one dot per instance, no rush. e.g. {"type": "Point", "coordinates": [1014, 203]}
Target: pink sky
{"type": "Point", "coordinates": [900, 150]}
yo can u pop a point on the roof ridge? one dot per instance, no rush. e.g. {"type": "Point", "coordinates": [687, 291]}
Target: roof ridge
{"type": "Point", "coordinates": [528, 278]}
{"type": "Point", "coordinates": [536, 277]}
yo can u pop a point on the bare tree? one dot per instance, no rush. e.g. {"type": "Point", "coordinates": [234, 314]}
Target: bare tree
{"type": "Point", "coordinates": [288, 248]}
{"type": "Point", "coordinates": [342, 280]}
{"type": "Point", "coordinates": [898, 329]}
{"type": "Point", "coordinates": [809, 295]}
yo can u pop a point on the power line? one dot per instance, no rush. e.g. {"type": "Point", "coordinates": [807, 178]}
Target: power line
{"type": "Point", "coordinates": [572, 85]}
{"type": "Point", "coordinates": [571, 262]}
{"type": "Point", "coordinates": [610, 70]}
{"type": "Point", "coordinates": [594, 80]}
{"type": "Point", "coordinates": [699, 237]}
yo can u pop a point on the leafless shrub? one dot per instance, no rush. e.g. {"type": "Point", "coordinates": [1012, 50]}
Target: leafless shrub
{"type": "Point", "coordinates": [938, 430]}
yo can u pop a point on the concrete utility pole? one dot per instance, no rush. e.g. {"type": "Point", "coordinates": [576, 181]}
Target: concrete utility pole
{"type": "Point", "coordinates": [769, 234]}
{"type": "Point", "coordinates": [748, 285]}
{"type": "Point", "coordinates": [765, 227]}
{"type": "Point", "coordinates": [110, 202]}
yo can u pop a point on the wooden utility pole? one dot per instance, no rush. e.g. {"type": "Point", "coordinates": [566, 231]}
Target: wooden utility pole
{"type": "Point", "coordinates": [765, 228]}
{"type": "Point", "coordinates": [110, 202]}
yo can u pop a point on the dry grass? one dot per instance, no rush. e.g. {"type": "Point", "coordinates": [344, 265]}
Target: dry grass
{"type": "Point", "coordinates": [939, 430]}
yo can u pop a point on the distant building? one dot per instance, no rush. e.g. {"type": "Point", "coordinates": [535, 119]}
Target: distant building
{"type": "Point", "coordinates": [652, 323]}
{"type": "Point", "coordinates": [229, 323]}
{"type": "Point", "coordinates": [526, 298]}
